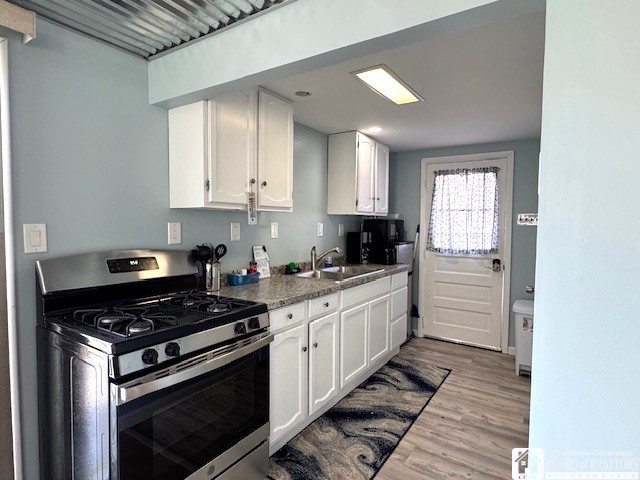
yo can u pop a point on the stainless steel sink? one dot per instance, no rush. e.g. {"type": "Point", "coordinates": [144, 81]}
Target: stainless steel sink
{"type": "Point", "coordinates": [340, 274]}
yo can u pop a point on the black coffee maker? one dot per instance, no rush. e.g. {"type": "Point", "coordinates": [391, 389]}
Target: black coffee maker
{"type": "Point", "coordinates": [359, 247]}
{"type": "Point", "coordinates": [385, 234]}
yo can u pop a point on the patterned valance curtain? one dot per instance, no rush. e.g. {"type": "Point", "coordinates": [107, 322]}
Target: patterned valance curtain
{"type": "Point", "coordinates": [464, 211]}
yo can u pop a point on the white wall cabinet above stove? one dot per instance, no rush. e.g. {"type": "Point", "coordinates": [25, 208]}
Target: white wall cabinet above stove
{"type": "Point", "coordinates": [358, 175]}
{"type": "Point", "coordinates": [223, 148]}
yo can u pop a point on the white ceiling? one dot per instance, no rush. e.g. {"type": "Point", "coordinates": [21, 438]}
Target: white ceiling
{"type": "Point", "coordinates": [481, 85]}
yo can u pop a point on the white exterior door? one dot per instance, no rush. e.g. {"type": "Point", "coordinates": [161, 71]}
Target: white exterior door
{"type": "Point", "coordinates": [465, 297]}
{"type": "Point", "coordinates": [365, 168]}
{"type": "Point", "coordinates": [275, 152]}
{"type": "Point", "coordinates": [232, 149]}
{"type": "Point", "coordinates": [288, 383]}
{"type": "Point", "coordinates": [323, 361]}
{"type": "Point", "coordinates": [382, 179]}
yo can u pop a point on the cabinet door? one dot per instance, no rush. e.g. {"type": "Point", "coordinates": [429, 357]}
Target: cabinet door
{"type": "Point", "coordinates": [231, 149]}
{"type": "Point", "coordinates": [365, 171]}
{"type": "Point", "coordinates": [378, 328]}
{"type": "Point", "coordinates": [323, 361]}
{"type": "Point", "coordinates": [275, 153]}
{"type": "Point", "coordinates": [288, 381]}
{"type": "Point", "coordinates": [398, 330]}
{"type": "Point", "coordinates": [353, 342]}
{"type": "Point", "coordinates": [382, 179]}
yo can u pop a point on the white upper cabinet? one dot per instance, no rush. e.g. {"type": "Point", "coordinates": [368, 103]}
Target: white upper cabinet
{"type": "Point", "coordinates": [275, 153]}
{"type": "Point", "coordinates": [382, 179]}
{"type": "Point", "coordinates": [358, 175]}
{"type": "Point", "coordinates": [232, 152]}
{"type": "Point", "coordinates": [365, 172]}
{"type": "Point", "coordinates": [223, 148]}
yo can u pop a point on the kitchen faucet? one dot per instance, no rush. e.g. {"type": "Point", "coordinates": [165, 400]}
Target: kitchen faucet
{"type": "Point", "coordinates": [316, 258]}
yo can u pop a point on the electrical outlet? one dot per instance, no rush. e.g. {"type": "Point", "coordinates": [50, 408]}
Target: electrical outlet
{"type": "Point", "coordinates": [341, 230]}
{"type": "Point", "coordinates": [35, 237]}
{"type": "Point", "coordinates": [530, 219]}
{"type": "Point", "coordinates": [175, 233]}
{"type": "Point", "coordinates": [274, 229]}
{"type": "Point", "coordinates": [235, 232]}
{"type": "Point", "coordinates": [320, 229]}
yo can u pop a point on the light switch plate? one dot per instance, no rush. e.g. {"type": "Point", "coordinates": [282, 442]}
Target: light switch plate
{"type": "Point", "coordinates": [530, 219]}
{"type": "Point", "coordinates": [320, 229]}
{"type": "Point", "coordinates": [274, 229]}
{"type": "Point", "coordinates": [174, 232]}
{"type": "Point", "coordinates": [341, 229]}
{"type": "Point", "coordinates": [235, 232]}
{"type": "Point", "coordinates": [35, 237]}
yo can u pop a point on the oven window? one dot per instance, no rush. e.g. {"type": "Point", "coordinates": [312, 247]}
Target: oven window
{"type": "Point", "coordinates": [172, 433]}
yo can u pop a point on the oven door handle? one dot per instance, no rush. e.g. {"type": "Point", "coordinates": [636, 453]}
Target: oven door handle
{"type": "Point", "coordinates": [127, 394]}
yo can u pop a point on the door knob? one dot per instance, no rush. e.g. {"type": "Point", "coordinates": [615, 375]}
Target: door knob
{"type": "Point", "coordinates": [496, 265]}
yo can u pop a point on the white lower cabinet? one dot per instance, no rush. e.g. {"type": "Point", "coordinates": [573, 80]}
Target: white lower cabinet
{"type": "Point", "coordinates": [353, 342]}
{"type": "Point", "coordinates": [289, 380]}
{"type": "Point", "coordinates": [323, 361]}
{"type": "Point", "coordinates": [378, 328]}
{"type": "Point", "coordinates": [398, 331]}
{"type": "Point", "coordinates": [323, 347]}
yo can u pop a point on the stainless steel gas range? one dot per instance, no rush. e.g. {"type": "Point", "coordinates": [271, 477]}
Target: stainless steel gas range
{"type": "Point", "coordinates": [140, 376]}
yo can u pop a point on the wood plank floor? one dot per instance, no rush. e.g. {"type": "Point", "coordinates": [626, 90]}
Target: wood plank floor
{"type": "Point", "coordinates": [471, 424]}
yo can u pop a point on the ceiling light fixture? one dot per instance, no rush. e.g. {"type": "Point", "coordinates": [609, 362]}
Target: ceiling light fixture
{"type": "Point", "coordinates": [302, 93]}
{"type": "Point", "coordinates": [384, 82]}
{"type": "Point", "coordinates": [375, 129]}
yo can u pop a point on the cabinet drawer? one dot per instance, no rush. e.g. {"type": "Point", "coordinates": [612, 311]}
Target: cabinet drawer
{"type": "Point", "coordinates": [398, 331]}
{"type": "Point", "coordinates": [399, 302]}
{"type": "Point", "coordinates": [287, 316]}
{"type": "Point", "coordinates": [362, 293]}
{"type": "Point", "coordinates": [322, 305]}
{"type": "Point", "coordinates": [399, 280]}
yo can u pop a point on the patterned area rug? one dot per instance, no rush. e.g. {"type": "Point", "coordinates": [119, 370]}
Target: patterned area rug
{"type": "Point", "coordinates": [354, 439]}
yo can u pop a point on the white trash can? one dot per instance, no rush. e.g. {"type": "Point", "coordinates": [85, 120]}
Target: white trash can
{"type": "Point", "coordinates": [523, 310]}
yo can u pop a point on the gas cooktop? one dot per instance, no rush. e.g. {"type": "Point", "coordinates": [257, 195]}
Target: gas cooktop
{"type": "Point", "coordinates": [130, 325]}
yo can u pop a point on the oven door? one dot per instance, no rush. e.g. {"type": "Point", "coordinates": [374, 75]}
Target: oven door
{"type": "Point", "coordinates": [197, 421]}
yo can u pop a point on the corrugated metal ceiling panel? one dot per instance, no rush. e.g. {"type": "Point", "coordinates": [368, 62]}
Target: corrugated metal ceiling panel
{"type": "Point", "coordinates": [146, 27]}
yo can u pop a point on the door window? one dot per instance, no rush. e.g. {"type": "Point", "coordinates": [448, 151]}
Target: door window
{"type": "Point", "coordinates": [464, 211]}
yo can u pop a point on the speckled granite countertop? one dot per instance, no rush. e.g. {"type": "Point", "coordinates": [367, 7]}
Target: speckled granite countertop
{"type": "Point", "coordinates": [282, 290]}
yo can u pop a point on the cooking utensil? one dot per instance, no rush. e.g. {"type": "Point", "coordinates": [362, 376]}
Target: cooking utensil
{"type": "Point", "coordinates": [219, 252]}
{"type": "Point", "coordinates": [203, 253]}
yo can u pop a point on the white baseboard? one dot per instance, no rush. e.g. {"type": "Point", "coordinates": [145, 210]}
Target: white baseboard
{"type": "Point", "coordinates": [512, 351]}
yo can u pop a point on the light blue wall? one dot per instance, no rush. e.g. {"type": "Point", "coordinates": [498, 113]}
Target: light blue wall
{"type": "Point", "coordinates": [585, 387]}
{"type": "Point", "coordinates": [404, 192]}
{"type": "Point", "coordinates": [90, 161]}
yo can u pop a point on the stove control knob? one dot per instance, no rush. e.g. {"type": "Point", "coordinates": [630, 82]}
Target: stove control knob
{"type": "Point", "coordinates": [172, 349]}
{"type": "Point", "coordinates": [150, 356]}
{"type": "Point", "coordinates": [254, 322]}
{"type": "Point", "coordinates": [240, 328]}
